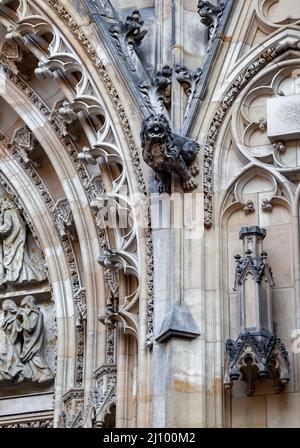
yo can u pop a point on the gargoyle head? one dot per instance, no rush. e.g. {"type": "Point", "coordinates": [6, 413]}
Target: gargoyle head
{"type": "Point", "coordinates": [155, 129]}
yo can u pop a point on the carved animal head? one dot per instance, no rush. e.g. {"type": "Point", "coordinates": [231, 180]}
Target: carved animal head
{"type": "Point", "coordinates": [155, 129]}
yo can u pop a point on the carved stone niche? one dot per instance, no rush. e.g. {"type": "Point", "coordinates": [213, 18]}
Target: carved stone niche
{"type": "Point", "coordinates": [72, 416]}
{"type": "Point", "coordinates": [104, 396]}
{"type": "Point", "coordinates": [21, 260]}
{"type": "Point", "coordinates": [258, 353]}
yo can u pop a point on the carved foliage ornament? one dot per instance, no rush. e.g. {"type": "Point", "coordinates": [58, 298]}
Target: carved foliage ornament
{"type": "Point", "coordinates": [128, 35]}
{"type": "Point", "coordinates": [210, 15]}
{"type": "Point", "coordinates": [158, 91]}
{"type": "Point", "coordinates": [189, 79]}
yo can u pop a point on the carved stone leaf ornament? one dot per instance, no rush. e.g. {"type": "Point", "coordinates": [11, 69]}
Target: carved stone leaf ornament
{"type": "Point", "coordinates": [210, 15]}
{"type": "Point", "coordinates": [128, 35]}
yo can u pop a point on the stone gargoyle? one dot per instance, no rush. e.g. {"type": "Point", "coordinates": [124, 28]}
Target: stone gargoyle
{"type": "Point", "coordinates": [166, 152]}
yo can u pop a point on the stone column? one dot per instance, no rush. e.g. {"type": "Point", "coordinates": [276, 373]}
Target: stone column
{"type": "Point", "coordinates": [177, 370]}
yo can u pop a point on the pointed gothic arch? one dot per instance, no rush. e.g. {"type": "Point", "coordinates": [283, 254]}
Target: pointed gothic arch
{"type": "Point", "coordinates": [82, 163]}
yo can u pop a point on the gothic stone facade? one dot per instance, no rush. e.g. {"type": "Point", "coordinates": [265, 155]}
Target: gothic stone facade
{"type": "Point", "coordinates": [149, 213]}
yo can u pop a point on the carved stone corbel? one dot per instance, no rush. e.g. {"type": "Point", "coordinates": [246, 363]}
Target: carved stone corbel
{"type": "Point", "coordinates": [43, 72]}
{"type": "Point", "coordinates": [5, 2]}
{"type": "Point", "coordinates": [166, 152]}
{"type": "Point", "coordinates": [72, 415]}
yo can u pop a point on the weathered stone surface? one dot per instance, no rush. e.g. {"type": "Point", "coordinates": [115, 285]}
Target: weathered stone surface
{"type": "Point", "coordinates": [283, 118]}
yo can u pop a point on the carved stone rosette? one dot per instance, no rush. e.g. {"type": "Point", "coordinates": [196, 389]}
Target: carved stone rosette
{"type": "Point", "coordinates": [257, 353]}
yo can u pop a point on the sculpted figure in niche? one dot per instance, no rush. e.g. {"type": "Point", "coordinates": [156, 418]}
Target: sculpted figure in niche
{"type": "Point", "coordinates": [35, 365]}
{"type": "Point", "coordinates": [21, 353]}
{"type": "Point", "coordinates": [16, 265]}
{"type": "Point", "coordinates": [10, 365]}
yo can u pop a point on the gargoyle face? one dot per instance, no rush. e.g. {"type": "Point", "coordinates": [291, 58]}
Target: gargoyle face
{"type": "Point", "coordinates": [157, 128]}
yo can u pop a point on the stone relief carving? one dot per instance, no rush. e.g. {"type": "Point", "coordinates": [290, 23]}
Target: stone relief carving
{"type": "Point", "coordinates": [63, 219]}
{"type": "Point", "coordinates": [258, 353]}
{"type": "Point", "coordinates": [21, 354]}
{"type": "Point", "coordinates": [64, 117]}
{"type": "Point", "coordinates": [104, 393]}
{"type": "Point", "coordinates": [83, 90]}
{"type": "Point", "coordinates": [267, 133]}
{"type": "Point", "coordinates": [210, 15]}
{"type": "Point", "coordinates": [276, 192]}
{"type": "Point", "coordinates": [158, 91]}
{"type": "Point", "coordinates": [16, 264]}
{"type": "Point", "coordinates": [24, 143]}
{"type": "Point", "coordinates": [46, 423]}
{"type": "Point", "coordinates": [128, 35]}
{"type": "Point", "coordinates": [166, 152]}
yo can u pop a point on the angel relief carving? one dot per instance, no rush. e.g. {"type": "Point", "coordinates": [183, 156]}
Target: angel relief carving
{"type": "Point", "coordinates": [19, 263]}
{"type": "Point", "coordinates": [22, 343]}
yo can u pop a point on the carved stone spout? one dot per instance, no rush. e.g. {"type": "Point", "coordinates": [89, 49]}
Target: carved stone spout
{"type": "Point", "coordinates": [167, 152]}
